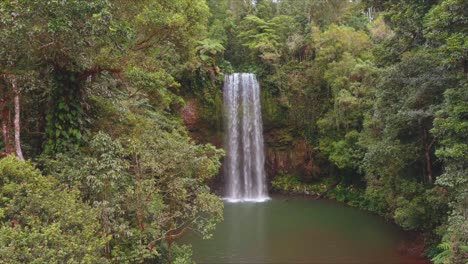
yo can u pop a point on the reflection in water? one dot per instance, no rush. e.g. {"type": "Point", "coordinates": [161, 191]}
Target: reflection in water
{"type": "Point", "coordinates": [300, 231]}
{"type": "Point", "coordinates": [250, 227]}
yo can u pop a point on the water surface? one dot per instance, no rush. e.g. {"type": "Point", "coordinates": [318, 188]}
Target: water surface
{"type": "Point", "coordinates": [296, 230]}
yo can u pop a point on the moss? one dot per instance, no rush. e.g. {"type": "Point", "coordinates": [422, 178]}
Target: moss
{"type": "Point", "coordinates": [280, 139]}
{"type": "Point", "coordinates": [273, 114]}
{"type": "Point", "coordinates": [212, 112]}
{"type": "Point", "coordinates": [292, 184]}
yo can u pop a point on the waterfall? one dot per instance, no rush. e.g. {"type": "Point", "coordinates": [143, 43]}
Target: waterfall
{"type": "Point", "coordinates": [245, 161]}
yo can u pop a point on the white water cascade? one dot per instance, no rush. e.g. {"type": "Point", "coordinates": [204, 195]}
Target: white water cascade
{"type": "Point", "coordinates": [245, 161]}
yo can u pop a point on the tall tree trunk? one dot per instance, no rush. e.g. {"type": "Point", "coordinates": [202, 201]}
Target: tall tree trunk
{"type": "Point", "coordinates": [427, 152]}
{"type": "Point", "coordinates": [4, 124]}
{"type": "Point", "coordinates": [429, 165]}
{"type": "Point", "coordinates": [169, 239]}
{"type": "Point", "coordinates": [17, 121]}
{"type": "Point", "coordinates": [4, 100]}
{"type": "Point", "coordinates": [169, 251]}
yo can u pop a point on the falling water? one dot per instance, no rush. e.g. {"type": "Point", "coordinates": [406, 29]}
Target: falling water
{"type": "Point", "coordinates": [245, 159]}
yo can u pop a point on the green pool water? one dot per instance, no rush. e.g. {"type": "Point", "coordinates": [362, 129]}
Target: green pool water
{"type": "Point", "coordinates": [297, 230]}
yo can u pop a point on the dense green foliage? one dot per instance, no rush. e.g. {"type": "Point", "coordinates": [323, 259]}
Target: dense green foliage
{"type": "Point", "coordinates": [378, 88]}
{"type": "Point", "coordinates": [101, 105]}
{"type": "Point", "coordinates": [44, 221]}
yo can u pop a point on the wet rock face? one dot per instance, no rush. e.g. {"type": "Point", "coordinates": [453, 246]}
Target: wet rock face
{"type": "Point", "coordinates": [190, 114]}
{"type": "Point", "coordinates": [297, 159]}
{"type": "Point", "coordinates": [283, 152]}
{"type": "Point", "coordinates": [199, 129]}
{"type": "Point", "coordinates": [289, 155]}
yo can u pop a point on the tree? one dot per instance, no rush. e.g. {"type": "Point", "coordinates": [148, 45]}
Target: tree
{"type": "Point", "coordinates": [75, 42]}
{"type": "Point", "coordinates": [63, 37]}
{"type": "Point", "coordinates": [260, 38]}
{"type": "Point", "coordinates": [407, 97]}
{"type": "Point", "coordinates": [329, 12]}
{"type": "Point", "coordinates": [148, 183]}
{"type": "Point", "coordinates": [337, 40]}
{"type": "Point", "coordinates": [451, 126]}
{"type": "Point", "coordinates": [446, 25]}
{"type": "Point", "coordinates": [351, 82]}
{"type": "Point", "coordinates": [44, 221]}
{"type": "Point", "coordinates": [407, 20]}
{"type": "Point", "coordinates": [209, 49]}
{"type": "Point", "coordinates": [14, 59]}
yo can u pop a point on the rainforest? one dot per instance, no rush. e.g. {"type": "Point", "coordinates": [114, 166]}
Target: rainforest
{"type": "Point", "coordinates": [234, 131]}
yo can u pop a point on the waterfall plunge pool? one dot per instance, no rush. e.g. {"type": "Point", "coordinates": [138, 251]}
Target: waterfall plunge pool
{"type": "Point", "coordinates": [283, 230]}
{"type": "Point", "coordinates": [298, 230]}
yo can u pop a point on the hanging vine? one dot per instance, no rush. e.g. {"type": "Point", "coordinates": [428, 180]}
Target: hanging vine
{"type": "Point", "coordinates": [65, 116]}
